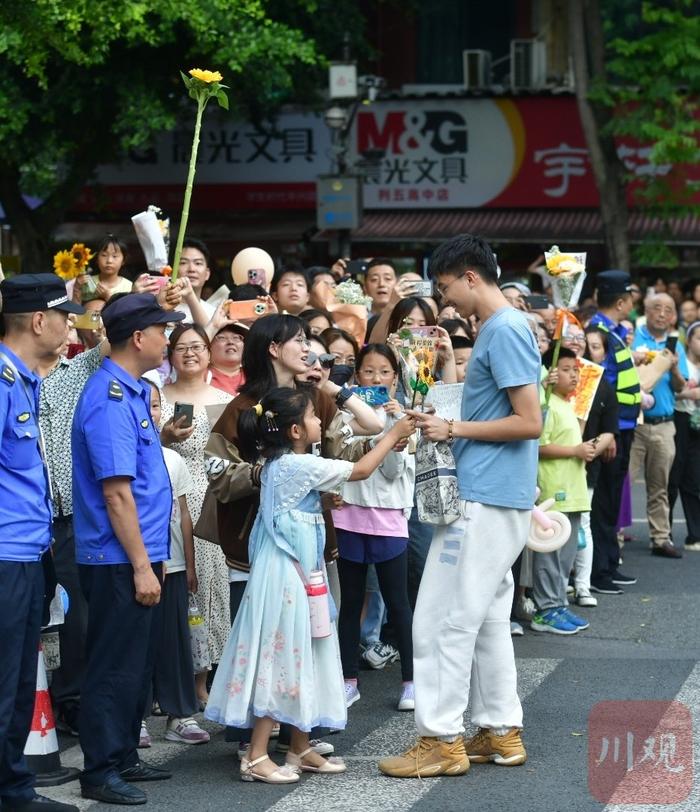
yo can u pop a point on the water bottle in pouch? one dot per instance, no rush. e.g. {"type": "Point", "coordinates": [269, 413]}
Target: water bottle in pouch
{"type": "Point", "coordinates": [319, 610]}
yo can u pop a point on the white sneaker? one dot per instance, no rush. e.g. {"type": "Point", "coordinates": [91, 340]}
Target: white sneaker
{"type": "Point", "coordinates": [516, 630]}
{"type": "Point", "coordinates": [144, 737]}
{"type": "Point", "coordinates": [186, 731]}
{"type": "Point", "coordinates": [351, 694]}
{"type": "Point", "coordinates": [378, 655]}
{"type": "Point", "coordinates": [407, 702]}
{"type": "Point", "coordinates": [584, 598]}
{"type": "Point", "coordinates": [570, 589]}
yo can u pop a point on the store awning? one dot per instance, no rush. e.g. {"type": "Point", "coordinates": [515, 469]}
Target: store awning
{"type": "Point", "coordinates": [579, 226]}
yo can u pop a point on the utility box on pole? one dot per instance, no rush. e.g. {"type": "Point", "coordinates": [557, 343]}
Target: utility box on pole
{"type": "Point", "coordinates": [338, 202]}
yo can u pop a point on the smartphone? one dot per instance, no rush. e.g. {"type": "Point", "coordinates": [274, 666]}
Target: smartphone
{"type": "Point", "coordinates": [355, 267]}
{"type": "Point", "coordinates": [247, 310]}
{"type": "Point", "coordinates": [423, 289]}
{"type": "Point", "coordinates": [89, 320]}
{"type": "Point", "coordinates": [256, 276]}
{"type": "Point", "coordinates": [538, 302]}
{"type": "Point", "coordinates": [372, 395]}
{"type": "Point", "coordinates": [159, 281]}
{"type": "Point", "coordinates": [188, 410]}
{"type": "Point", "coordinates": [429, 331]}
{"type": "Point", "coordinates": [671, 343]}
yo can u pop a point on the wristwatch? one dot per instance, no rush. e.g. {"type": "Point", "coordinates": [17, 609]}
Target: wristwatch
{"type": "Point", "coordinates": [343, 396]}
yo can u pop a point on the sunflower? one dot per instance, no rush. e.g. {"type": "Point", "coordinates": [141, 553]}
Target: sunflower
{"type": "Point", "coordinates": [81, 254]}
{"type": "Point", "coordinates": [65, 265]}
{"type": "Point", "coordinates": [207, 76]}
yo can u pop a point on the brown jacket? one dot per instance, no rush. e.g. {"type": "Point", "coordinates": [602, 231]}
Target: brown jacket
{"type": "Point", "coordinates": [236, 483]}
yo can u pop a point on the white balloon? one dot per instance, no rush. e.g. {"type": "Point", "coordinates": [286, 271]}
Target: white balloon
{"type": "Point", "coordinates": [542, 540]}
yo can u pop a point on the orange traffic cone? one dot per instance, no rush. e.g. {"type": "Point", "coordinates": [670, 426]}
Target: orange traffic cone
{"type": "Point", "coordinates": [41, 749]}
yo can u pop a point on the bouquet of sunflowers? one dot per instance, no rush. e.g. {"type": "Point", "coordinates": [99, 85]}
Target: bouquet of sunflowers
{"type": "Point", "coordinates": [565, 273]}
{"type": "Point", "coordinates": [71, 264]}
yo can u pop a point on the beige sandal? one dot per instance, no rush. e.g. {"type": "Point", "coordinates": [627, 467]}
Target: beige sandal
{"type": "Point", "coordinates": [330, 765]}
{"type": "Point", "coordinates": [282, 775]}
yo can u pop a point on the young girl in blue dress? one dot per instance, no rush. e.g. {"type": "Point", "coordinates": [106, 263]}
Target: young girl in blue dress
{"type": "Point", "coordinates": [271, 669]}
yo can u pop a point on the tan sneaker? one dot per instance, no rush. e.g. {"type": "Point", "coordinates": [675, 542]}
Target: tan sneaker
{"type": "Point", "coordinates": [427, 758]}
{"type": "Point", "coordinates": [508, 750]}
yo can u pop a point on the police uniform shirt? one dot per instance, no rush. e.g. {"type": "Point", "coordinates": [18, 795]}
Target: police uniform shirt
{"type": "Point", "coordinates": [114, 436]}
{"type": "Point", "coordinates": [25, 507]}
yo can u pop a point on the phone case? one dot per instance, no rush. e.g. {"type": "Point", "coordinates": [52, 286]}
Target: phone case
{"type": "Point", "coordinates": [186, 409]}
{"type": "Point", "coordinates": [372, 395]}
{"type": "Point", "coordinates": [247, 310]}
{"type": "Point", "coordinates": [429, 331]}
{"type": "Point", "coordinates": [423, 289]}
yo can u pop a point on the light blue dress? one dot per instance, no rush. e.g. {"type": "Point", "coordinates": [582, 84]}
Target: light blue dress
{"type": "Point", "coordinates": [270, 665]}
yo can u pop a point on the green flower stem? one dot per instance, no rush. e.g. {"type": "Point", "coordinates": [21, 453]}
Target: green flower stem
{"type": "Point", "coordinates": [201, 104]}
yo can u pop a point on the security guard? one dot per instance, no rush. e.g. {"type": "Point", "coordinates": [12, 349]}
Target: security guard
{"type": "Point", "coordinates": [121, 512]}
{"type": "Point", "coordinates": [614, 305]}
{"type": "Point", "coordinates": [35, 316]}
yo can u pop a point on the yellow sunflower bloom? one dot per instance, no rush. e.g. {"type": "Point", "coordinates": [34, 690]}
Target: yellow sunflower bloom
{"type": "Point", "coordinates": [81, 254]}
{"type": "Point", "coordinates": [208, 76]}
{"type": "Point", "coordinates": [64, 265]}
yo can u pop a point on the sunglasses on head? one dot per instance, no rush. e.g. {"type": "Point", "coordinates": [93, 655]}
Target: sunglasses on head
{"type": "Point", "coordinates": [325, 360]}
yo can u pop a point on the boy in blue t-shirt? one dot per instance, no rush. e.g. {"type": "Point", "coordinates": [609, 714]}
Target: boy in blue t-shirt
{"type": "Point", "coordinates": [561, 475]}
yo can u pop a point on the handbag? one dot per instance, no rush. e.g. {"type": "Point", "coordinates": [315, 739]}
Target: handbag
{"type": "Point", "coordinates": [437, 491]}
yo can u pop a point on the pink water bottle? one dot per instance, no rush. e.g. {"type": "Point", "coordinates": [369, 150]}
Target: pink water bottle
{"type": "Point", "coordinates": [318, 605]}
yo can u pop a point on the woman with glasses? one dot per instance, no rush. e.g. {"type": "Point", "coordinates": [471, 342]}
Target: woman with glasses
{"type": "Point", "coordinates": [226, 359]}
{"type": "Point", "coordinates": [189, 353]}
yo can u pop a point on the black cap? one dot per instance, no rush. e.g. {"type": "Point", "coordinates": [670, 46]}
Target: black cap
{"type": "Point", "coordinates": [29, 292]}
{"type": "Point", "coordinates": [134, 311]}
{"type": "Point", "coordinates": [614, 282]}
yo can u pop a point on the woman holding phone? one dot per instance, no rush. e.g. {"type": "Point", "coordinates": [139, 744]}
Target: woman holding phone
{"type": "Point", "coordinates": [185, 417]}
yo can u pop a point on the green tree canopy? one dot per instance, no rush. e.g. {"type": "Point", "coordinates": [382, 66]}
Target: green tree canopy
{"type": "Point", "coordinates": [83, 81]}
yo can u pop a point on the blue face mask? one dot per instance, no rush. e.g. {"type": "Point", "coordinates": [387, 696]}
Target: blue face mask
{"type": "Point", "coordinates": [341, 374]}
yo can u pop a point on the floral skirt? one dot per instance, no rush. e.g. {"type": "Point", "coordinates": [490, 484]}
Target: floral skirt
{"type": "Point", "coordinates": [270, 665]}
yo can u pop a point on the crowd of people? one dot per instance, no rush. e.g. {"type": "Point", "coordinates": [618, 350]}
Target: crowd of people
{"type": "Point", "coordinates": [196, 481]}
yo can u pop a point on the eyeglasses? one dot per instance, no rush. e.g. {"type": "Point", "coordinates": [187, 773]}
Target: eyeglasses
{"type": "Point", "coordinates": [442, 289]}
{"type": "Point", "coordinates": [575, 339]}
{"type": "Point", "coordinates": [325, 360]}
{"type": "Point", "coordinates": [182, 349]}
{"type": "Point", "coordinates": [230, 338]}
{"type": "Point", "coordinates": [302, 340]}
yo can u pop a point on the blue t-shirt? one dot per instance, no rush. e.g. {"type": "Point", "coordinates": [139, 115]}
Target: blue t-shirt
{"type": "Point", "coordinates": [114, 436]}
{"type": "Point", "coordinates": [25, 506]}
{"type": "Point", "coordinates": [505, 355]}
{"type": "Point", "coordinates": [664, 396]}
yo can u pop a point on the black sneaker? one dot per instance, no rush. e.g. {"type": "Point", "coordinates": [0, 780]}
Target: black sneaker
{"type": "Point", "coordinates": [605, 586]}
{"type": "Point", "coordinates": [623, 580]}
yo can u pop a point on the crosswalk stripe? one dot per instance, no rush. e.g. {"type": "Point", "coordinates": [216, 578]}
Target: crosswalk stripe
{"type": "Point", "coordinates": [333, 792]}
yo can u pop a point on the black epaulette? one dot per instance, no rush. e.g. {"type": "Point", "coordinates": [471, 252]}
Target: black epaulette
{"type": "Point", "coordinates": [7, 375]}
{"type": "Point", "coordinates": [115, 391]}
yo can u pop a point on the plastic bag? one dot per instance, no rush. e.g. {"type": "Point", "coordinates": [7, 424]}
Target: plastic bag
{"type": "Point", "coordinates": [198, 638]}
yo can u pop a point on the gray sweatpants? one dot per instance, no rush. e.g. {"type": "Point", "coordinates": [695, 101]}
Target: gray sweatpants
{"type": "Point", "coordinates": [551, 570]}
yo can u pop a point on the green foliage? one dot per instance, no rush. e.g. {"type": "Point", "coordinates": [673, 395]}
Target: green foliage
{"type": "Point", "coordinates": [83, 81]}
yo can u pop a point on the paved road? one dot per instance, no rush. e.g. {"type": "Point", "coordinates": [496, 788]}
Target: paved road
{"type": "Point", "coordinates": [643, 645]}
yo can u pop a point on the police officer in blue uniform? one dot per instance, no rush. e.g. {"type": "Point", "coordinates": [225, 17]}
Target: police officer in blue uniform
{"type": "Point", "coordinates": [35, 311]}
{"type": "Point", "coordinates": [121, 511]}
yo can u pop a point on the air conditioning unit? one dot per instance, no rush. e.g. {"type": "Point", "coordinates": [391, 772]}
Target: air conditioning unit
{"type": "Point", "coordinates": [528, 64]}
{"type": "Point", "coordinates": [477, 69]}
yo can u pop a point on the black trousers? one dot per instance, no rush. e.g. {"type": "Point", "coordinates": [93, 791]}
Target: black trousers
{"type": "Point", "coordinates": [173, 673]}
{"type": "Point", "coordinates": [392, 576]}
{"type": "Point", "coordinates": [66, 681]}
{"type": "Point", "coordinates": [685, 475]}
{"type": "Point", "coordinates": [21, 604]}
{"type": "Point", "coordinates": [605, 508]}
{"type": "Point", "coordinates": [122, 638]}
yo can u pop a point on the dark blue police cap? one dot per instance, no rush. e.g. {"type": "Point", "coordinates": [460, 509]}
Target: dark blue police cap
{"type": "Point", "coordinates": [614, 282]}
{"type": "Point", "coordinates": [29, 292]}
{"type": "Point", "coordinates": [123, 315]}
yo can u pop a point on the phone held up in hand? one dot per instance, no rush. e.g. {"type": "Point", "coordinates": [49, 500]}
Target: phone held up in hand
{"type": "Point", "coordinates": [672, 343]}
{"type": "Point", "coordinates": [186, 409]}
